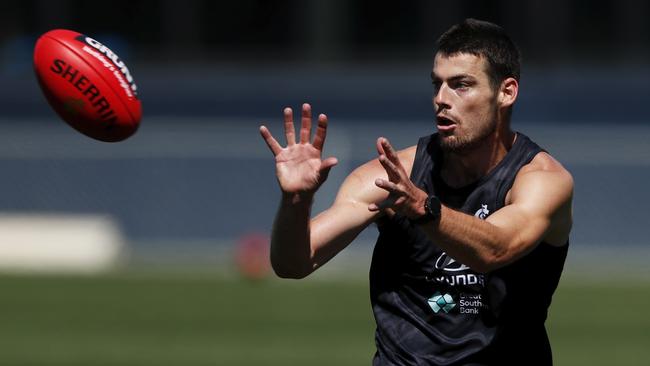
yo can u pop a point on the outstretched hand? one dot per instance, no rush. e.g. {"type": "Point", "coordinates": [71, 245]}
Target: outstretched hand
{"type": "Point", "coordinates": [299, 167]}
{"type": "Point", "coordinates": [403, 196]}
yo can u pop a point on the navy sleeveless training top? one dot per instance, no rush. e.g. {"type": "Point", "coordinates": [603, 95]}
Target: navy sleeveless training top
{"type": "Point", "coordinates": [433, 310]}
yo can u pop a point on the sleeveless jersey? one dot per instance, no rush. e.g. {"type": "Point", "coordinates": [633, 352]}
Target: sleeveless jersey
{"type": "Point", "coordinates": [433, 310]}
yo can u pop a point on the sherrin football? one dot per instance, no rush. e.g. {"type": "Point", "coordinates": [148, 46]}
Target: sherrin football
{"type": "Point", "coordinates": [87, 85]}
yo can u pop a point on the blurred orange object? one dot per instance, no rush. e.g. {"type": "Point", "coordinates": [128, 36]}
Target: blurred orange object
{"type": "Point", "coordinates": [252, 256]}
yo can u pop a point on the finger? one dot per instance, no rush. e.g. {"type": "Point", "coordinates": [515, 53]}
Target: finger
{"type": "Point", "coordinates": [389, 186]}
{"type": "Point", "coordinates": [270, 141]}
{"type": "Point", "coordinates": [387, 203]}
{"type": "Point", "coordinates": [391, 154]}
{"type": "Point", "coordinates": [289, 131]}
{"type": "Point", "coordinates": [321, 132]}
{"type": "Point", "coordinates": [328, 163]}
{"type": "Point", "coordinates": [326, 166]}
{"type": "Point", "coordinates": [391, 169]}
{"type": "Point", "coordinates": [305, 129]}
{"type": "Point", "coordinates": [380, 147]}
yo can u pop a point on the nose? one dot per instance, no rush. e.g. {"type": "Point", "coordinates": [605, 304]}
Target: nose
{"type": "Point", "coordinates": [441, 98]}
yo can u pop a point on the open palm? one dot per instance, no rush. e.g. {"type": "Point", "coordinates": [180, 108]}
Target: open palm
{"type": "Point", "coordinates": [299, 166]}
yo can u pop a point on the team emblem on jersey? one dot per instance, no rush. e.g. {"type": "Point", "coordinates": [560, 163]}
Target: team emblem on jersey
{"type": "Point", "coordinates": [482, 212]}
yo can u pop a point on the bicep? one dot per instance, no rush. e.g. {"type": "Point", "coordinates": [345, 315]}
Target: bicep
{"type": "Point", "coordinates": [538, 199]}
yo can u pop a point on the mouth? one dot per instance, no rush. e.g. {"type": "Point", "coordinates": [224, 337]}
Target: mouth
{"type": "Point", "coordinates": [445, 124]}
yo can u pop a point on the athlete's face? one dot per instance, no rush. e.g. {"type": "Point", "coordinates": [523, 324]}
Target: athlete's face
{"type": "Point", "coordinates": [464, 101]}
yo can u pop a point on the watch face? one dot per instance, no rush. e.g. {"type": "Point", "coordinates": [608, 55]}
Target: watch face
{"type": "Point", "coordinates": [433, 206]}
{"type": "Point", "coordinates": [431, 210]}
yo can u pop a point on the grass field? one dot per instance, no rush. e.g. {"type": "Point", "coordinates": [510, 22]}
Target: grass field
{"type": "Point", "coordinates": [160, 318]}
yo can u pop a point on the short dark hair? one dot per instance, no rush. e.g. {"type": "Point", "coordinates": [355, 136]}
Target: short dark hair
{"type": "Point", "coordinates": [484, 39]}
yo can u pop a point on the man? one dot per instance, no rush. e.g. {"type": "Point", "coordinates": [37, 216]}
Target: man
{"type": "Point", "coordinates": [474, 220]}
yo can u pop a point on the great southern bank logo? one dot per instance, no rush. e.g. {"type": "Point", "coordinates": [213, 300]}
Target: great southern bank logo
{"type": "Point", "coordinates": [442, 302]}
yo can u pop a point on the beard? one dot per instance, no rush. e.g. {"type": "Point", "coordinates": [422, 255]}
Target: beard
{"type": "Point", "coordinates": [475, 136]}
{"type": "Point", "coordinates": [468, 142]}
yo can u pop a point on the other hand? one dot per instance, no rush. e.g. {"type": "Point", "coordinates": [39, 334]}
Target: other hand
{"type": "Point", "coordinates": [299, 167]}
{"type": "Point", "coordinates": [403, 196]}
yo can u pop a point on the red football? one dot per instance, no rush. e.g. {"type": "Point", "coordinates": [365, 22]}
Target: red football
{"type": "Point", "coordinates": [88, 85]}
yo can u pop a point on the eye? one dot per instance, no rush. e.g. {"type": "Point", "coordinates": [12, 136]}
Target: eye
{"type": "Point", "coordinates": [462, 85]}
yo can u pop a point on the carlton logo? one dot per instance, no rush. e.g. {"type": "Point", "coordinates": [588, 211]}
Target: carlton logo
{"type": "Point", "coordinates": [482, 212]}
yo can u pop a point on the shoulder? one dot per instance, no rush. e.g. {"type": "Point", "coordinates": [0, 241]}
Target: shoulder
{"type": "Point", "coordinates": [543, 173]}
{"type": "Point", "coordinates": [546, 167]}
{"type": "Point", "coordinates": [545, 187]}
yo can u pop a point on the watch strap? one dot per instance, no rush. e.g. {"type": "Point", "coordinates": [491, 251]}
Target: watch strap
{"type": "Point", "coordinates": [432, 208]}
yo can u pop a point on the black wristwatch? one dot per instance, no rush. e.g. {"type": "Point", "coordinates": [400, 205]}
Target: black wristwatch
{"type": "Point", "coordinates": [432, 208]}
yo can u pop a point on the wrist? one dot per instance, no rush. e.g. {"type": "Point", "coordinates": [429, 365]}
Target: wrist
{"type": "Point", "coordinates": [296, 199]}
{"type": "Point", "coordinates": [431, 209]}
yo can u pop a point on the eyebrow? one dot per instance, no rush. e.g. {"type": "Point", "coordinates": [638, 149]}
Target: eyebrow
{"type": "Point", "coordinates": [454, 78]}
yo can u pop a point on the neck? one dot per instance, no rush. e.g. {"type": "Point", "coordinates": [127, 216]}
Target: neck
{"type": "Point", "coordinates": [464, 167]}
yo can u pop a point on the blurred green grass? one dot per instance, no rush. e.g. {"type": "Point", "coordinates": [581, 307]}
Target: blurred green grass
{"type": "Point", "coordinates": [161, 318]}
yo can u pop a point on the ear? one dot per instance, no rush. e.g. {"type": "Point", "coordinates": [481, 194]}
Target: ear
{"type": "Point", "coordinates": [508, 92]}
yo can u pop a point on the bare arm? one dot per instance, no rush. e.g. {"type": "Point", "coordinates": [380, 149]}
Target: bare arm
{"type": "Point", "coordinates": [300, 245]}
{"type": "Point", "coordinates": [538, 208]}
{"type": "Point", "coordinates": [300, 172]}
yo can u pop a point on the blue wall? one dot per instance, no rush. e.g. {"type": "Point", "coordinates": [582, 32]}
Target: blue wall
{"type": "Point", "coordinates": [198, 170]}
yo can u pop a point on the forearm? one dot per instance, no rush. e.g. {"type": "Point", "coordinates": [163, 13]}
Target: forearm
{"type": "Point", "coordinates": [290, 239]}
{"type": "Point", "coordinates": [470, 240]}
{"type": "Point", "coordinates": [540, 200]}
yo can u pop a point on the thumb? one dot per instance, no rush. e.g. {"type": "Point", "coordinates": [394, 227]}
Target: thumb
{"type": "Point", "coordinates": [325, 167]}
